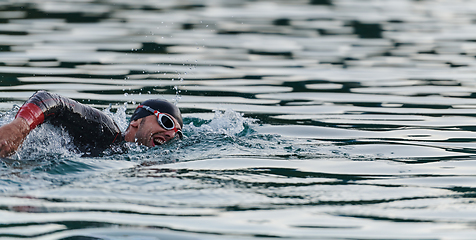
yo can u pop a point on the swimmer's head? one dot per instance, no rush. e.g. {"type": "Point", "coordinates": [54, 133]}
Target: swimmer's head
{"type": "Point", "coordinates": [160, 105]}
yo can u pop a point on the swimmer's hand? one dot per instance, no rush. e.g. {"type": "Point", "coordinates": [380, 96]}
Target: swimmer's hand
{"type": "Point", "coordinates": [12, 136]}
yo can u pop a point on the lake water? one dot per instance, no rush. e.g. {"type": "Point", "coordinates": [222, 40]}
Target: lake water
{"type": "Point", "coordinates": [304, 119]}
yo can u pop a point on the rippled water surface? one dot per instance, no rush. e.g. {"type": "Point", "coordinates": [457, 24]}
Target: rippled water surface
{"type": "Point", "coordinates": [304, 119]}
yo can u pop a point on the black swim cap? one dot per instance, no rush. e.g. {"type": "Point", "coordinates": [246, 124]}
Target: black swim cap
{"type": "Point", "coordinates": [160, 105]}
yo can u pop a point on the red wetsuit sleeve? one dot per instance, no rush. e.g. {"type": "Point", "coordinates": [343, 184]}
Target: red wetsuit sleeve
{"type": "Point", "coordinates": [32, 114]}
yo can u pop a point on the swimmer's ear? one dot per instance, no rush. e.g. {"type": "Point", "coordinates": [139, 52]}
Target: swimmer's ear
{"type": "Point", "coordinates": [134, 123]}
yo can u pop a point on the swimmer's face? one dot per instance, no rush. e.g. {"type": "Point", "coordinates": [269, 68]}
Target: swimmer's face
{"type": "Point", "coordinates": [147, 131]}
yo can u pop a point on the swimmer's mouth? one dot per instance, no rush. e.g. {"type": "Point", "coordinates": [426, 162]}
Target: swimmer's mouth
{"type": "Point", "coordinates": [159, 141]}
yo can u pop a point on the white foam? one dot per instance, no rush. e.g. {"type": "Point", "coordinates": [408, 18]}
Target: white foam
{"type": "Point", "coordinates": [226, 122]}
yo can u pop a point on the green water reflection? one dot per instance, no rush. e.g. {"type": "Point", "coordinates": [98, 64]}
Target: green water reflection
{"type": "Point", "coordinates": [304, 119]}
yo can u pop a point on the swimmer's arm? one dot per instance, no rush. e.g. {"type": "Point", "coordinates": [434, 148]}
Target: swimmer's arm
{"type": "Point", "coordinates": [85, 124]}
{"type": "Point", "coordinates": [12, 135]}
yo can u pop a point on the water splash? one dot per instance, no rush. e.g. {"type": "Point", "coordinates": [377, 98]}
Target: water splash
{"type": "Point", "coordinates": [9, 115]}
{"type": "Point", "coordinates": [229, 123]}
{"type": "Point", "coordinates": [178, 92]}
{"type": "Point", "coordinates": [119, 117]}
{"type": "Point", "coordinates": [46, 142]}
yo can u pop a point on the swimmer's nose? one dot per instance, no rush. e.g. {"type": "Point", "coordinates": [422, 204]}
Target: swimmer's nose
{"type": "Point", "coordinates": [169, 135]}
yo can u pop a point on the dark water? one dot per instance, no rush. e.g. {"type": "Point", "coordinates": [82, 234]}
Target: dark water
{"type": "Point", "coordinates": [319, 119]}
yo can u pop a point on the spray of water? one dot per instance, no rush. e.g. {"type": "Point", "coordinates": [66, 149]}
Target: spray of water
{"type": "Point", "coordinates": [8, 116]}
{"type": "Point", "coordinates": [228, 123]}
{"type": "Point", "coordinates": [119, 117]}
{"type": "Point", "coordinates": [44, 142]}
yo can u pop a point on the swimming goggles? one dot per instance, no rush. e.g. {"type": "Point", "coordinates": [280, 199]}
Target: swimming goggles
{"type": "Point", "coordinates": [164, 120]}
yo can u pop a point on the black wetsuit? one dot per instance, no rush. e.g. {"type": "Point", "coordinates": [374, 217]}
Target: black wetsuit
{"type": "Point", "coordinates": [91, 130]}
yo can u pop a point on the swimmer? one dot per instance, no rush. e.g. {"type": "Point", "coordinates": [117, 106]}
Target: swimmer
{"type": "Point", "coordinates": [154, 122]}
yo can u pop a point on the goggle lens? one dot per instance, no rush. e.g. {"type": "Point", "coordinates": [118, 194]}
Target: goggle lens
{"type": "Point", "coordinates": [166, 122]}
